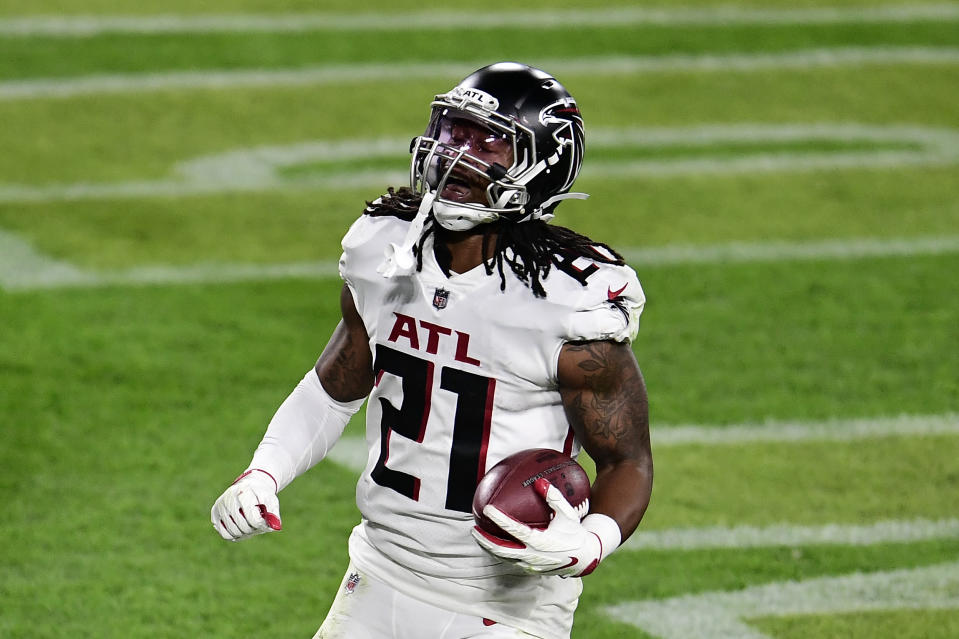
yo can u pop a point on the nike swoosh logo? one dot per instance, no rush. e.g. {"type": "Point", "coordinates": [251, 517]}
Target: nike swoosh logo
{"type": "Point", "coordinates": [611, 294]}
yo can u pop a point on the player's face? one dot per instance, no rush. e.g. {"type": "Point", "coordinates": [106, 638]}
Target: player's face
{"type": "Point", "coordinates": [492, 147]}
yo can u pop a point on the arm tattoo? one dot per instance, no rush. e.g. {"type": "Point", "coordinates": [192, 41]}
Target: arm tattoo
{"type": "Point", "coordinates": [608, 406]}
{"type": "Point", "coordinates": [346, 364]}
{"type": "Point", "coordinates": [349, 373]}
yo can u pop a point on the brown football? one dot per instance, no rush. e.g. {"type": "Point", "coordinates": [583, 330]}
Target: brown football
{"type": "Point", "coordinates": [509, 486]}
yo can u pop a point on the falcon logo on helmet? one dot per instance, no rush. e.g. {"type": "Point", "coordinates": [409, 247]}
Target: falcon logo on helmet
{"type": "Point", "coordinates": [567, 124]}
{"type": "Point", "coordinates": [512, 104]}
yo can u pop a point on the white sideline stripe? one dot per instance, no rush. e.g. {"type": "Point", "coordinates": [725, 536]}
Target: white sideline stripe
{"type": "Point", "coordinates": [260, 168]}
{"type": "Point", "coordinates": [68, 87]}
{"type": "Point", "coordinates": [22, 268]}
{"type": "Point", "coordinates": [90, 25]}
{"type": "Point", "coordinates": [882, 532]}
{"type": "Point", "coordinates": [721, 615]}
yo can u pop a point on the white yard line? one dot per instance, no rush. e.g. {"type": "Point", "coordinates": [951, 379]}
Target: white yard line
{"type": "Point", "coordinates": [724, 615]}
{"type": "Point", "coordinates": [90, 25]}
{"type": "Point", "coordinates": [833, 430]}
{"type": "Point", "coordinates": [69, 87]}
{"type": "Point", "coordinates": [261, 168]}
{"type": "Point", "coordinates": [22, 268]}
{"type": "Point", "coordinates": [777, 535]}
{"type": "Point", "coordinates": [176, 187]}
{"type": "Point", "coordinates": [351, 451]}
{"type": "Point", "coordinates": [778, 251]}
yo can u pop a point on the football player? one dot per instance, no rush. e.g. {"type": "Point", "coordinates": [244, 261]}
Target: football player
{"type": "Point", "coordinates": [474, 328]}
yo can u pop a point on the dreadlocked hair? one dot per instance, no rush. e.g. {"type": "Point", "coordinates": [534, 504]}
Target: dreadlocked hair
{"type": "Point", "coordinates": [402, 203]}
{"type": "Point", "coordinates": [530, 249]}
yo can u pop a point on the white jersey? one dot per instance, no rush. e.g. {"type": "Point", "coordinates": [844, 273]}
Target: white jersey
{"type": "Point", "coordinates": [466, 374]}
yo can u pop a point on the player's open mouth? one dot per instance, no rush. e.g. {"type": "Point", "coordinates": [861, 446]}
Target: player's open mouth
{"type": "Point", "coordinates": [456, 188]}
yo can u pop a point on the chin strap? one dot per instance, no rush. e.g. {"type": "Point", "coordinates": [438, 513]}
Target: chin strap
{"type": "Point", "coordinates": [399, 259]}
{"type": "Point", "coordinates": [538, 213]}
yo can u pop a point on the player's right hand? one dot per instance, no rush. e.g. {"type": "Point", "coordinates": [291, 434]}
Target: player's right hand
{"type": "Point", "coordinates": [248, 507]}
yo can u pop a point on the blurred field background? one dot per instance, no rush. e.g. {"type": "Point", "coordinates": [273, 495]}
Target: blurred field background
{"type": "Point", "coordinates": [174, 183]}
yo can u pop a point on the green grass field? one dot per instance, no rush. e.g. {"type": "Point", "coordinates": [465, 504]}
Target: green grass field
{"type": "Point", "coordinates": [783, 176]}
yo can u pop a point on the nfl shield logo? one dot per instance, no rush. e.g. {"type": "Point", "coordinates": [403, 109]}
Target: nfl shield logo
{"type": "Point", "coordinates": [441, 298]}
{"type": "Point", "coordinates": [351, 582]}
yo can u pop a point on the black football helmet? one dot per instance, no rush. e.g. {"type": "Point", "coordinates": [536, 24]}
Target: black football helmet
{"type": "Point", "coordinates": [533, 112]}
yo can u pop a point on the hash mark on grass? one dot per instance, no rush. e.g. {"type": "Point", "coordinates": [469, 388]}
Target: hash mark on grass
{"type": "Point", "coordinates": [22, 266]}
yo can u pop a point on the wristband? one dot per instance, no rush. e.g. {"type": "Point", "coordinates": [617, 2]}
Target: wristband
{"type": "Point", "coordinates": [606, 530]}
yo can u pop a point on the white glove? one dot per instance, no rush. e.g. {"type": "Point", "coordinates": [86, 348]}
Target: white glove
{"type": "Point", "coordinates": [568, 547]}
{"type": "Point", "coordinates": [248, 507]}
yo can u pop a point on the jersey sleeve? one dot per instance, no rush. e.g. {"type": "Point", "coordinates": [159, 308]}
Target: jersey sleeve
{"type": "Point", "coordinates": [355, 238]}
{"type": "Point", "coordinates": [363, 247]}
{"type": "Point", "coordinates": [608, 307]}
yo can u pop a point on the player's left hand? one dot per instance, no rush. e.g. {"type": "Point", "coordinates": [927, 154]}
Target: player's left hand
{"type": "Point", "coordinates": [566, 547]}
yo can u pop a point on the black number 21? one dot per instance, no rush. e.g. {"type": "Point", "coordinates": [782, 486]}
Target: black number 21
{"type": "Point", "coordinates": [471, 424]}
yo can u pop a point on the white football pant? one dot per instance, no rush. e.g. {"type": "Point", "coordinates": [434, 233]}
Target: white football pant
{"type": "Point", "coordinates": [365, 608]}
